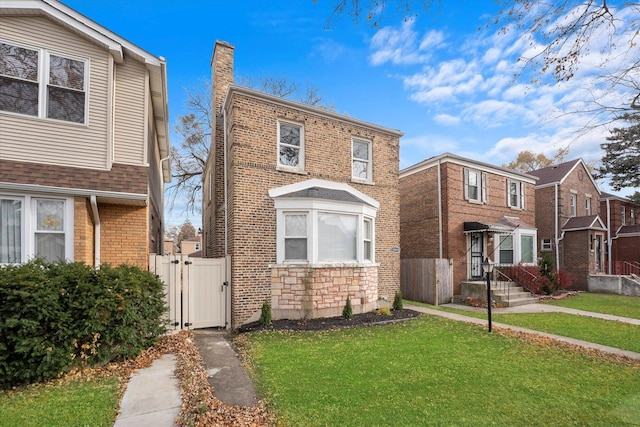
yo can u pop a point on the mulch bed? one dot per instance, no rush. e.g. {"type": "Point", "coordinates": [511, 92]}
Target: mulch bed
{"type": "Point", "coordinates": [327, 323]}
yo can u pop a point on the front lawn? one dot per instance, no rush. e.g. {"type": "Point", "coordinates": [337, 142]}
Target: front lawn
{"type": "Point", "coordinates": [618, 305]}
{"type": "Point", "coordinates": [78, 403]}
{"type": "Point", "coordinates": [434, 371]}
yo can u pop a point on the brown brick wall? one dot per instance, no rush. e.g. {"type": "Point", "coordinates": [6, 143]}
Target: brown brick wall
{"type": "Point", "coordinates": [252, 219]}
{"type": "Point", "coordinates": [419, 222]}
{"type": "Point", "coordinates": [83, 236]}
{"type": "Point", "coordinates": [121, 178]}
{"type": "Point", "coordinates": [123, 235]}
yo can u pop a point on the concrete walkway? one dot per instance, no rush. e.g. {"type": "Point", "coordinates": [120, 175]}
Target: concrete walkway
{"type": "Point", "coordinates": [153, 395]}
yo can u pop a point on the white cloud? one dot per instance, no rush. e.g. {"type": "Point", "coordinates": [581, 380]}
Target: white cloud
{"type": "Point", "coordinates": [447, 119]}
{"type": "Point", "coordinates": [400, 46]}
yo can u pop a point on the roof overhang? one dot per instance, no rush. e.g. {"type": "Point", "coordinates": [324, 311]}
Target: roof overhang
{"type": "Point", "coordinates": [486, 227]}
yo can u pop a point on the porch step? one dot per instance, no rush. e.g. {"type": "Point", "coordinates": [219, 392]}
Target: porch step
{"type": "Point", "coordinates": [503, 293]}
{"type": "Point", "coordinates": [521, 301]}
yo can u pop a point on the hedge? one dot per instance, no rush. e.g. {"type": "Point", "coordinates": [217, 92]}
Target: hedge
{"type": "Point", "coordinates": [59, 315]}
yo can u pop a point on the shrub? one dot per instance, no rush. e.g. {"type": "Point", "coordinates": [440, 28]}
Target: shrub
{"type": "Point", "coordinates": [265, 316]}
{"type": "Point", "coordinates": [347, 311]}
{"type": "Point", "coordinates": [564, 279]}
{"type": "Point", "coordinates": [397, 301]}
{"type": "Point", "coordinates": [57, 315]}
{"type": "Point", "coordinates": [384, 311]}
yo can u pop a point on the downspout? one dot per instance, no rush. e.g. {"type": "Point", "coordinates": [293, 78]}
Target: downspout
{"type": "Point", "coordinates": [96, 232]}
{"type": "Point", "coordinates": [556, 230]}
{"type": "Point", "coordinates": [439, 209]}
{"type": "Point", "coordinates": [608, 237]}
{"type": "Point", "coordinates": [226, 214]}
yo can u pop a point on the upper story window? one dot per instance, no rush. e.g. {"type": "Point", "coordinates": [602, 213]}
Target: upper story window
{"type": "Point", "coordinates": [475, 186]}
{"type": "Point", "coordinates": [38, 83]}
{"type": "Point", "coordinates": [574, 203]}
{"type": "Point", "coordinates": [632, 214]}
{"type": "Point", "coordinates": [623, 213]}
{"type": "Point", "coordinates": [290, 145]}
{"type": "Point", "coordinates": [515, 194]}
{"type": "Point", "coordinates": [587, 206]}
{"type": "Point", "coordinates": [361, 159]}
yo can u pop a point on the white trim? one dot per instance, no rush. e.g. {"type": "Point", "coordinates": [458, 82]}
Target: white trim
{"type": "Point", "coordinates": [81, 192]}
{"type": "Point", "coordinates": [468, 163]}
{"type": "Point", "coordinates": [368, 161]}
{"type": "Point", "coordinates": [331, 185]}
{"type": "Point", "coordinates": [280, 166]}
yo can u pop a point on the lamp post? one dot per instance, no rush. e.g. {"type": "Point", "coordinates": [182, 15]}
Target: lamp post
{"type": "Point", "coordinates": [487, 267]}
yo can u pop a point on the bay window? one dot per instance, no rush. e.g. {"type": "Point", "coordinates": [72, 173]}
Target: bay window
{"type": "Point", "coordinates": [517, 247]}
{"type": "Point", "coordinates": [38, 83]}
{"type": "Point", "coordinates": [35, 227]}
{"type": "Point", "coordinates": [321, 222]}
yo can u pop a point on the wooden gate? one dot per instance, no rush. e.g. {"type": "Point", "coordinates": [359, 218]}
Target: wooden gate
{"type": "Point", "coordinates": [427, 280]}
{"type": "Point", "coordinates": [196, 290]}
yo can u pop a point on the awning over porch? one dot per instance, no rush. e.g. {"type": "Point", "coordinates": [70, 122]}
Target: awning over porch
{"type": "Point", "coordinates": [489, 227]}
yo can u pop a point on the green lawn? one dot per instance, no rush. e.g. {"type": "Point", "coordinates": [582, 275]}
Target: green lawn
{"type": "Point", "coordinates": [618, 305]}
{"type": "Point", "coordinates": [82, 403]}
{"type": "Point", "coordinates": [433, 371]}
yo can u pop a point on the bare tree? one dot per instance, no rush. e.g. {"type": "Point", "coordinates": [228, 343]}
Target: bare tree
{"type": "Point", "coordinates": [188, 161]}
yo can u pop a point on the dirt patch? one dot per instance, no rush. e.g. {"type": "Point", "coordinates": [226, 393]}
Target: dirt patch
{"type": "Point", "coordinates": [326, 323]}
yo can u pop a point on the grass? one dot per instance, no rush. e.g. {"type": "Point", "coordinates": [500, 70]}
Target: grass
{"type": "Point", "coordinates": [437, 372]}
{"type": "Point", "coordinates": [618, 305]}
{"type": "Point", "coordinates": [79, 403]}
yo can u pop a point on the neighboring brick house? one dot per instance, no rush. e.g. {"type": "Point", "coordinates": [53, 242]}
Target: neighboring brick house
{"type": "Point", "coordinates": [623, 235]}
{"type": "Point", "coordinates": [568, 221]}
{"type": "Point", "coordinates": [83, 140]}
{"type": "Point", "coordinates": [304, 200]}
{"type": "Point", "coordinates": [460, 209]}
{"type": "Point", "coordinates": [191, 245]}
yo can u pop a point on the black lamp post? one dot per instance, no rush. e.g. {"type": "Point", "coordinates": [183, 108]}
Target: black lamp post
{"type": "Point", "coordinates": [487, 267]}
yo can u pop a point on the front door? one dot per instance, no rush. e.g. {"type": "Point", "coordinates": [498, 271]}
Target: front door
{"type": "Point", "coordinates": [477, 244]}
{"type": "Point", "coordinates": [598, 253]}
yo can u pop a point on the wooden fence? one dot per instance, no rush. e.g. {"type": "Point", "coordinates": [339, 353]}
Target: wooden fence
{"type": "Point", "coordinates": [428, 280]}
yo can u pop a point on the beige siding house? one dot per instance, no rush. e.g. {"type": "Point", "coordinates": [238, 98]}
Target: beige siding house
{"type": "Point", "coordinates": [83, 139]}
{"type": "Point", "coordinates": [305, 201]}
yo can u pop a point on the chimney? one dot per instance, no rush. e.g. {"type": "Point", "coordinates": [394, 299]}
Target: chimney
{"type": "Point", "coordinates": [221, 72]}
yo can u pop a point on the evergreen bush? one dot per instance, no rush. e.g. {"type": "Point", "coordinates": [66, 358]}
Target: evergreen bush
{"type": "Point", "coordinates": [347, 311]}
{"type": "Point", "coordinates": [397, 301]}
{"type": "Point", "coordinates": [57, 315]}
{"type": "Point", "coordinates": [265, 315]}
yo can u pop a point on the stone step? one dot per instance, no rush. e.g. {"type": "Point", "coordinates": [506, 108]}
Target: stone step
{"type": "Point", "coordinates": [521, 301]}
{"type": "Point", "coordinates": [511, 294]}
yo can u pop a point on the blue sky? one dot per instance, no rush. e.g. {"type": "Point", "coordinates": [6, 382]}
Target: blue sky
{"type": "Point", "coordinates": [439, 79]}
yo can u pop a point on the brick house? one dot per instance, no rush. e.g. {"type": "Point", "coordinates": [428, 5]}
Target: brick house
{"type": "Point", "coordinates": [460, 209]}
{"type": "Point", "coordinates": [568, 221]}
{"type": "Point", "coordinates": [83, 140]}
{"type": "Point", "coordinates": [191, 245]}
{"type": "Point", "coordinates": [304, 200]}
{"type": "Point", "coordinates": [623, 234]}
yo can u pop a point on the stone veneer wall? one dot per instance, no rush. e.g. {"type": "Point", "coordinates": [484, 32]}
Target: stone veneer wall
{"type": "Point", "coordinates": [312, 292]}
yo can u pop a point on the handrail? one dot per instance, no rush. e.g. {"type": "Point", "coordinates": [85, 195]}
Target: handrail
{"type": "Point", "coordinates": [629, 267]}
{"type": "Point", "coordinates": [502, 284]}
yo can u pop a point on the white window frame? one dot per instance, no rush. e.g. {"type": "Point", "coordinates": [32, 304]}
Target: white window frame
{"type": "Point", "coordinates": [587, 206]}
{"type": "Point", "coordinates": [516, 235]}
{"type": "Point", "coordinates": [632, 213]}
{"type": "Point", "coordinates": [573, 205]}
{"type": "Point", "coordinates": [519, 194]}
{"type": "Point", "coordinates": [29, 223]}
{"type": "Point", "coordinates": [280, 166]}
{"type": "Point", "coordinates": [44, 64]}
{"type": "Point", "coordinates": [313, 208]}
{"type": "Point", "coordinates": [368, 162]}
{"type": "Point", "coordinates": [623, 212]}
{"type": "Point", "coordinates": [546, 245]}
{"type": "Point", "coordinates": [481, 182]}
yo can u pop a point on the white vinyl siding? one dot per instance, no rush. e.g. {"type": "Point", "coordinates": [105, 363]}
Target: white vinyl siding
{"type": "Point", "coordinates": [26, 138]}
{"type": "Point", "coordinates": [129, 113]}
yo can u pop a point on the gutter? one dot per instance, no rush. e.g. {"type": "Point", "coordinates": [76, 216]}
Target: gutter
{"type": "Point", "coordinates": [439, 208]}
{"type": "Point", "coordinates": [556, 230]}
{"type": "Point", "coordinates": [608, 237]}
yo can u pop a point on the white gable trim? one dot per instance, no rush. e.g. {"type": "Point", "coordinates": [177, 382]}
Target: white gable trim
{"type": "Point", "coordinates": [330, 185]}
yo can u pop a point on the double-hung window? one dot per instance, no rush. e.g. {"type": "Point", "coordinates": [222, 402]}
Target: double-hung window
{"type": "Point", "coordinates": [361, 159]}
{"type": "Point", "coordinates": [623, 214]}
{"type": "Point", "coordinates": [515, 194]}
{"type": "Point", "coordinates": [587, 206]}
{"type": "Point", "coordinates": [475, 186]}
{"type": "Point", "coordinates": [518, 247]}
{"type": "Point", "coordinates": [290, 145]}
{"type": "Point", "coordinates": [295, 236]}
{"type": "Point", "coordinates": [506, 249]}
{"type": "Point", "coordinates": [35, 227]}
{"type": "Point", "coordinates": [39, 83]}
{"type": "Point", "coordinates": [574, 203]}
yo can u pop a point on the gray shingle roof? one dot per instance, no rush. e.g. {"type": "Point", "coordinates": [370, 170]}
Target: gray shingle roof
{"type": "Point", "coordinates": [554, 173]}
